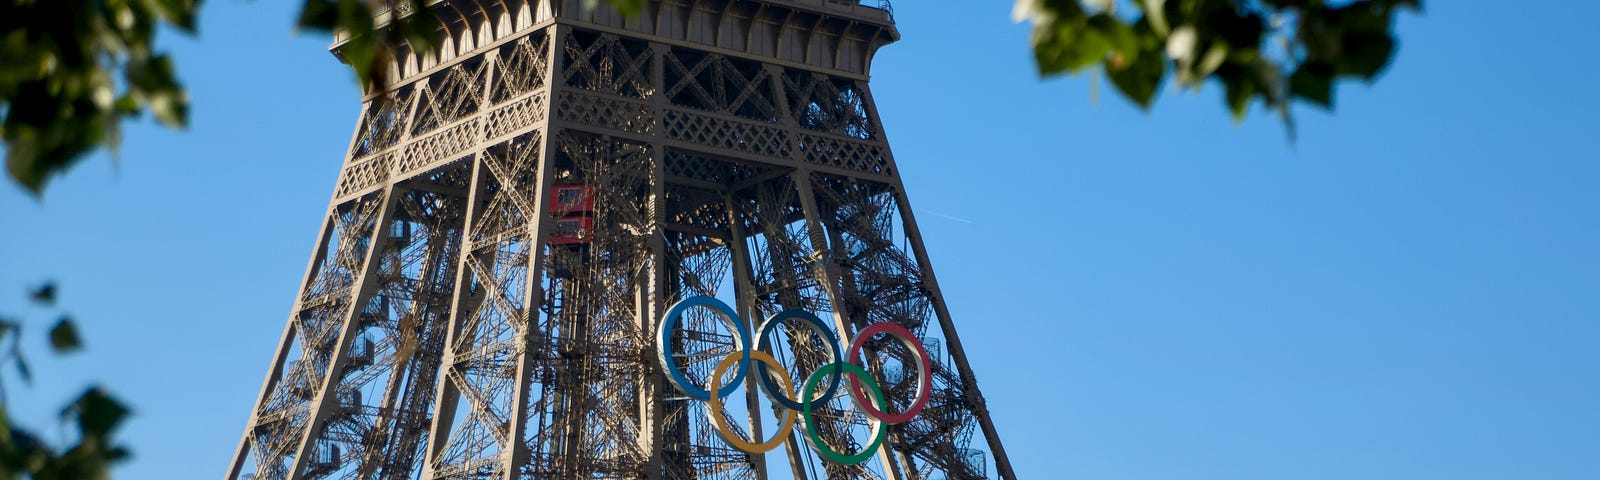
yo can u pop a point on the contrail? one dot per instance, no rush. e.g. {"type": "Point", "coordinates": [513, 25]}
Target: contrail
{"type": "Point", "coordinates": [952, 217]}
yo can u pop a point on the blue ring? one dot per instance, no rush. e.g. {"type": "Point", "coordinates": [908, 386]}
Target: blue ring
{"type": "Point", "coordinates": [668, 364]}
{"type": "Point", "coordinates": [763, 343]}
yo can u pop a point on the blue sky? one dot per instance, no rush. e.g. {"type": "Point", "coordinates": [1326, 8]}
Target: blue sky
{"type": "Point", "coordinates": [1410, 291]}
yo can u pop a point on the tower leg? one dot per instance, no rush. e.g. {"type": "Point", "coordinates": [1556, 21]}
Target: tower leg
{"type": "Point", "coordinates": [708, 133]}
{"type": "Point", "coordinates": [1002, 463]}
{"type": "Point", "coordinates": [295, 397]}
{"type": "Point", "coordinates": [281, 357]}
{"type": "Point", "coordinates": [495, 305]}
{"type": "Point", "coordinates": [654, 292]}
{"type": "Point", "coordinates": [446, 399]}
{"type": "Point", "coordinates": [743, 275]}
{"type": "Point", "coordinates": [514, 451]}
{"type": "Point", "coordinates": [365, 286]}
{"type": "Point", "coordinates": [828, 277]}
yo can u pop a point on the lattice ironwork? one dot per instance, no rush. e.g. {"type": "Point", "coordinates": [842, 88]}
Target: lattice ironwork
{"type": "Point", "coordinates": [452, 94]}
{"type": "Point", "coordinates": [592, 309]}
{"type": "Point", "coordinates": [829, 104]}
{"type": "Point", "coordinates": [385, 391]}
{"type": "Point", "coordinates": [488, 340]}
{"type": "Point", "coordinates": [605, 112]}
{"type": "Point", "coordinates": [521, 67]}
{"type": "Point", "coordinates": [734, 135]}
{"type": "Point", "coordinates": [280, 423]}
{"type": "Point", "coordinates": [439, 145]}
{"type": "Point", "coordinates": [787, 276]}
{"type": "Point", "coordinates": [605, 62]}
{"type": "Point", "coordinates": [852, 155]}
{"type": "Point", "coordinates": [365, 174]}
{"type": "Point", "coordinates": [517, 116]}
{"type": "Point", "coordinates": [883, 283]}
{"type": "Point", "coordinates": [512, 222]}
{"type": "Point", "coordinates": [719, 83]}
{"type": "Point", "coordinates": [383, 122]}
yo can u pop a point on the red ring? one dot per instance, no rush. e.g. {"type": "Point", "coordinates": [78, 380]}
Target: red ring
{"type": "Point", "coordinates": [924, 368]}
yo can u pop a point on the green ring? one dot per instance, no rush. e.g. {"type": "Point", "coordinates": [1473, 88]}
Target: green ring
{"type": "Point", "coordinates": [811, 422]}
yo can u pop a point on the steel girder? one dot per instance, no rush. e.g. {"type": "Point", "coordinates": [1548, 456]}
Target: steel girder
{"type": "Point", "coordinates": [451, 326]}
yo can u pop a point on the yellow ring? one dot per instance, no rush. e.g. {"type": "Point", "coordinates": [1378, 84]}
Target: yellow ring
{"type": "Point", "coordinates": [716, 404]}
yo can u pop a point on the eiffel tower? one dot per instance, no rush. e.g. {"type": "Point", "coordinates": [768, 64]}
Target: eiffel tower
{"type": "Point", "coordinates": [521, 206]}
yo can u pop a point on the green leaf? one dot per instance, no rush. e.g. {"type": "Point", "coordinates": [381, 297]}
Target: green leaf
{"type": "Point", "coordinates": [64, 336]}
{"type": "Point", "coordinates": [156, 80]}
{"type": "Point", "coordinates": [1249, 46]}
{"type": "Point", "coordinates": [1069, 46]}
{"type": "Point", "coordinates": [1239, 87]}
{"type": "Point", "coordinates": [74, 71]}
{"type": "Point", "coordinates": [628, 8]}
{"type": "Point", "coordinates": [30, 450]}
{"type": "Point", "coordinates": [5, 427]}
{"type": "Point", "coordinates": [367, 47]}
{"type": "Point", "coordinates": [170, 107]}
{"type": "Point", "coordinates": [180, 13]}
{"type": "Point", "coordinates": [1213, 58]}
{"type": "Point", "coordinates": [45, 294]}
{"type": "Point", "coordinates": [319, 15]}
{"type": "Point", "coordinates": [1313, 81]}
{"type": "Point", "coordinates": [96, 412]}
{"type": "Point", "coordinates": [1366, 55]}
{"type": "Point", "coordinates": [1063, 40]}
{"type": "Point", "coordinates": [1235, 26]}
{"type": "Point", "coordinates": [22, 367]}
{"type": "Point", "coordinates": [1155, 14]}
{"type": "Point", "coordinates": [1118, 36]}
{"type": "Point", "coordinates": [7, 324]}
{"type": "Point", "coordinates": [1140, 79]}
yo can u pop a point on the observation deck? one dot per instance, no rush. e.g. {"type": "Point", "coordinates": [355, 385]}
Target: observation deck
{"type": "Point", "coordinates": [833, 36]}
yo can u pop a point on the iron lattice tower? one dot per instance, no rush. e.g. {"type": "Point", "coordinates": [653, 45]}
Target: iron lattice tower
{"type": "Point", "coordinates": [463, 316]}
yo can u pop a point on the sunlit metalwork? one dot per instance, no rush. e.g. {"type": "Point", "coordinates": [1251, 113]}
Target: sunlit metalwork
{"type": "Point", "coordinates": [517, 211]}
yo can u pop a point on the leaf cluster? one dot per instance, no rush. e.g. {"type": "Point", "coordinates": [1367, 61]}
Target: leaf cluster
{"type": "Point", "coordinates": [371, 30]}
{"type": "Point", "coordinates": [95, 414]}
{"type": "Point", "coordinates": [74, 69]}
{"type": "Point", "coordinates": [1272, 51]}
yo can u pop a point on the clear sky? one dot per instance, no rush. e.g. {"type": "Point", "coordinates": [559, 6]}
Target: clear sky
{"type": "Point", "coordinates": [1411, 291]}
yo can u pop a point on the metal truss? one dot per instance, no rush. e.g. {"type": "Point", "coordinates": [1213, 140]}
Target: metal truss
{"type": "Point", "coordinates": [516, 214]}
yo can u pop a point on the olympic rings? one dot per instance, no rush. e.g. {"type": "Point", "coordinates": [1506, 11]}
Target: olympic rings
{"type": "Point", "coordinates": [821, 329]}
{"type": "Point", "coordinates": [811, 420]}
{"type": "Point", "coordinates": [839, 365]}
{"type": "Point", "coordinates": [924, 387]}
{"type": "Point", "coordinates": [670, 365]}
{"type": "Point", "coordinates": [716, 405]}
